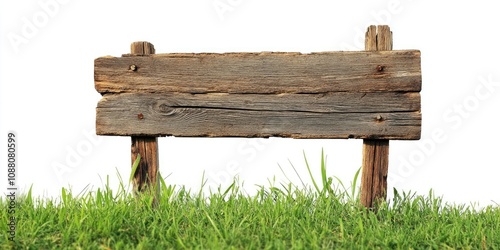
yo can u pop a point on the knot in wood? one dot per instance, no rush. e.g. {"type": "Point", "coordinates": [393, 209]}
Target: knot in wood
{"type": "Point", "coordinates": [166, 109]}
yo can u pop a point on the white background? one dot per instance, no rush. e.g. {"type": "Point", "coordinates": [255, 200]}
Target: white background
{"type": "Point", "coordinates": [47, 48]}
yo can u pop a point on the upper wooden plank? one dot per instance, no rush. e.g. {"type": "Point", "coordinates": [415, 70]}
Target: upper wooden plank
{"type": "Point", "coordinates": [261, 73]}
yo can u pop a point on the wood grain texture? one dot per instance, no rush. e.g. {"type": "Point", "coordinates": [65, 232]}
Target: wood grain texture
{"type": "Point", "coordinates": [288, 115]}
{"type": "Point", "coordinates": [375, 169]}
{"type": "Point", "coordinates": [375, 151]}
{"type": "Point", "coordinates": [261, 72]}
{"type": "Point", "coordinates": [335, 102]}
{"type": "Point", "coordinates": [146, 174]}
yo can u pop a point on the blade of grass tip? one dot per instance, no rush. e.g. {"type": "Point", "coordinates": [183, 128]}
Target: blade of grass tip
{"type": "Point", "coordinates": [323, 168]}
{"type": "Point", "coordinates": [287, 189]}
{"type": "Point", "coordinates": [277, 190]}
{"type": "Point", "coordinates": [341, 184]}
{"type": "Point", "coordinates": [121, 190]}
{"type": "Point", "coordinates": [354, 183]}
{"type": "Point", "coordinates": [83, 191]}
{"type": "Point", "coordinates": [28, 196]}
{"type": "Point", "coordinates": [228, 189]}
{"type": "Point", "coordinates": [108, 188]}
{"type": "Point", "coordinates": [271, 183]}
{"type": "Point", "coordinates": [395, 198]}
{"type": "Point", "coordinates": [162, 183]}
{"type": "Point", "coordinates": [63, 195]}
{"type": "Point", "coordinates": [203, 183]}
{"type": "Point", "coordinates": [297, 173]}
{"type": "Point", "coordinates": [323, 172]}
{"type": "Point", "coordinates": [134, 166]}
{"type": "Point", "coordinates": [310, 173]}
{"type": "Point", "coordinates": [98, 197]}
{"type": "Point", "coordinates": [282, 171]}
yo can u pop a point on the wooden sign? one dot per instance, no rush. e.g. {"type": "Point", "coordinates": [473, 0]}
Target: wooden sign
{"type": "Point", "coordinates": [373, 95]}
{"type": "Point", "coordinates": [319, 95]}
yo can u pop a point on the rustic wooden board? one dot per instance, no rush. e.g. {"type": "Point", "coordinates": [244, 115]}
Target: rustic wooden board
{"type": "Point", "coordinates": [333, 115]}
{"type": "Point", "coordinates": [261, 72]}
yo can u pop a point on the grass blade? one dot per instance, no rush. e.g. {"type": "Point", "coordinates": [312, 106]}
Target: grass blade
{"type": "Point", "coordinates": [297, 173]}
{"type": "Point", "coordinates": [323, 169]}
{"type": "Point", "coordinates": [324, 178]}
{"type": "Point", "coordinates": [134, 166]}
{"type": "Point", "coordinates": [354, 183]}
{"type": "Point", "coordinates": [310, 173]}
{"type": "Point", "coordinates": [213, 224]}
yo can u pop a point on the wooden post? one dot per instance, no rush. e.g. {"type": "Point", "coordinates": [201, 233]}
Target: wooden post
{"type": "Point", "coordinates": [146, 175]}
{"type": "Point", "coordinates": [375, 152]}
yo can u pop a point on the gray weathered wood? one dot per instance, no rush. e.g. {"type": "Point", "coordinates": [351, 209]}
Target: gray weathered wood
{"type": "Point", "coordinates": [335, 115]}
{"type": "Point", "coordinates": [261, 72]}
{"type": "Point", "coordinates": [334, 102]}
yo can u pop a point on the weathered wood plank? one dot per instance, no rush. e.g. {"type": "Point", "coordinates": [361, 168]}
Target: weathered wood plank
{"type": "Point", "coordinates": [231, 115]}
{"type": "Point", "coordinates": [261, 72]}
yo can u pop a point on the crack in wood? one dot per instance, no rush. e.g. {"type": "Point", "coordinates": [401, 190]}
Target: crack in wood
{"type": "Point", "coordinates": [168, 108]}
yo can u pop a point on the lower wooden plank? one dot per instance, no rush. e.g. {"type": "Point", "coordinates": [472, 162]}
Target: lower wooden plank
{"type": "Point", "coordinates": [212, 116]}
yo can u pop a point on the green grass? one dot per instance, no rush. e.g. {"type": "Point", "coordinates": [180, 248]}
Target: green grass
{"type": "Point", "coordinates": [288, 217]}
